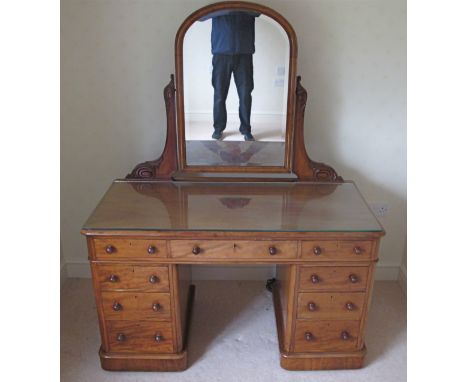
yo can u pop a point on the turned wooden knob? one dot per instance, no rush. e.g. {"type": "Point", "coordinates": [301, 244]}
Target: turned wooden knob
{"type": "Point", "coordinates": [315, 279]}
{"type": "Point", "coordinates": [312, 306]}
{"type": "Point", "coordinates": [353, 278]}
{"type": "Point", "coordinates": [157, 306]}
{"type": "Point", "coordinates": [308, 336]}
{"type": "Point", "coordinates": [350, 306]}
{"type": "Point", "coordinates": [317, 251]}
{"type": "Point", "coordinates": [153, 279]}
{"type": "Point", "coordinates": [110, 249]}
{"type": "Point", "coordinates": [272, 250]}
{"type": "Point", "coordinates": [117, 306]}
{"type": "Point", "coordinates": [345, 335]}
{"type": "Point", "coordinates": [113, 278]}
{"type": "Point", "coordinates": [151, 249]}
{"type": "Point", "coordinates": [196, 250]}
{"type": "Point", "coordinates": [158, 337]}
{"type": "Point", "coordinates": [358, 250]}
{"type": "Point", "coordinates": [120, 337]}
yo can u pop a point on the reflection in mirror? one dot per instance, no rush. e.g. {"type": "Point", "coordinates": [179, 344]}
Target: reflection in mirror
{"type": "Point", "coordinates": [236, 66]}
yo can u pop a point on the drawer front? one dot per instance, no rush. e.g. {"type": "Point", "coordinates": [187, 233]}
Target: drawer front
{"type": "Point", "coordinates": [323, 250]}
{"type": "Point", "coordinates": [217, 249]}
{"type": "Point", "coordinates": [123, 277]}
{"type": "Point", "coordinates": [319, 336]}
{"type": "Point", "coordinates": [136, 306]}
{"type": "Point", "coordinates": [140, 337]}
{"type": "Point", "coordinates": [333, 278]}
{"type": "Point", "coordinates": [119, 248]}
{"type": "Point", "coordinates": [333, 306]}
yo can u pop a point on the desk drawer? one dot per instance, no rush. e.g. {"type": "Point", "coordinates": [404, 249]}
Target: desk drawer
{"type": "Point", "coordinates": [325, 250]}
{"type": "Point", "coordinates": [108, 248]}
{"type": "Point", "coordinates": [333, 278]}
{"type": "Point", "coordinates": [320, 336]}
{"type": "Point", "coordinates": [140, 337]}
{"type": "Point", "coordinates": [123, 277]}
{"type": "Point", "coordinates": [334, 306]}
{"type": "Point", "coordinates": [222, 249]}
{"type": "Point", "coordinates": [136, 306]}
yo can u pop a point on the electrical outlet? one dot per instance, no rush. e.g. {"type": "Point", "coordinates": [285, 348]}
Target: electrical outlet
{"type": "Point", "coordinates": [380, 209]}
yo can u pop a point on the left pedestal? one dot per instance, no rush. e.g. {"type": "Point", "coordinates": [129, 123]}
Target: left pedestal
{"type": "Point", "coordinates": [144, 307]}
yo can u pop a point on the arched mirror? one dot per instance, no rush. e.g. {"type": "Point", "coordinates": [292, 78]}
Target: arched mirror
{"type": "Point", "coordinates": [235, 81]}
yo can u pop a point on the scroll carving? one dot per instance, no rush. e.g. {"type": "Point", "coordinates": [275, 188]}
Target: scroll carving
{"type": "Point", "coordinates": [166, 164]}
{"type": "Point", "coordinates": [305, 168]}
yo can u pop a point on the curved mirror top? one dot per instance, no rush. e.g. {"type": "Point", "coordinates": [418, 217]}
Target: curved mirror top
{"type": "Point", "coordinates": [235, 75]}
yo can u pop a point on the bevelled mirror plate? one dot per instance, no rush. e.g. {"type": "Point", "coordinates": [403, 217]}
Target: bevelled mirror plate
{"type": "Point", "coordinates": [236, 74]}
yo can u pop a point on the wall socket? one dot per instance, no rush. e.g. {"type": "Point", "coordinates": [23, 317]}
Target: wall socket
{"type": "Point", "coordinates": [379, 209]}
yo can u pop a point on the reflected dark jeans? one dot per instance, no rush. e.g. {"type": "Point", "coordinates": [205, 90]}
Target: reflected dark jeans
{"type": "Point", "coordinates": [242, 67]}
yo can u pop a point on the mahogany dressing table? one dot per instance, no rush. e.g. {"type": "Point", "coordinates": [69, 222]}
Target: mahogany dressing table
{"type": "Point", "coordinates": [175, 212]}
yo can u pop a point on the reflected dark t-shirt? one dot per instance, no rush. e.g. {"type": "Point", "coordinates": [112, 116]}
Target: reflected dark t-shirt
{"type": "Point", "coordinates": [232, 32]}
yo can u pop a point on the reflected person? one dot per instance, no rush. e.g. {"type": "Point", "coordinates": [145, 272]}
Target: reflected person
{"type": "Point", "coordinates": [232, 46]}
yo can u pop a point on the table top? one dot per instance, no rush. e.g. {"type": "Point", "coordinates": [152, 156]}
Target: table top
{"type": "Point", "coordinates": [228, 206]}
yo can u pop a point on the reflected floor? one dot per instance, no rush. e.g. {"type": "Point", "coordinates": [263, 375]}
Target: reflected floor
{"type": "Point", "coordinates": [234, 153]}
{"type": "Point", "coordinates": [263, 131]}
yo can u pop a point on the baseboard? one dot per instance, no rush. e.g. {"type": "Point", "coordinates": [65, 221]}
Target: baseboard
{"type": "Point", "coordinates": [237, 272]}
{"type": "Point", "coordinates": [402, 278]}
{"type": "Point", "coordinates": [63, 274]}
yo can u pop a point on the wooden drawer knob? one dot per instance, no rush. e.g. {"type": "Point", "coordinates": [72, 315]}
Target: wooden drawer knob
{"type": "Point", "coordinates": [272, 250]}
{"type": "Point", "coordinates": [308, 336]}
{"type": "Point", "coordinates": [151, 249]}
{"type": "Point", "coordinates": [345, 335]}
{"type": "Point", "coordinates": [113, 278]}
{"type": "Point", "coordinates": [358, 250]}
{"type": "Point", "coordinates": [117, 307]}
{"type": "Point", "coordinates": [159, 337]}
{"type": "Point", "coordinates": [110, 249]}
{"type": "Point", "coordinates": [312, 306]}
{"type": "Point", "coordinates": [315, 279]}
{"type": "Point", "coordinates": [153, 279]}
{"type": "Point", "coordinates": [353, 278]}
{"type": "Point", "coordinates": [157, 306]}
{"type": "Point", "coordinates": [317, 251]}
{"type": "Point", "coordinates": [350, 306]}
{"type": "Point", "coordinates": [196, 250]}
{"type": "Point", "coordinates": [120, 337]}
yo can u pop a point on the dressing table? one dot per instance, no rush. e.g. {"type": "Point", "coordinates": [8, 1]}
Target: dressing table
{"type": "Point", "coordinates": [240, 203]}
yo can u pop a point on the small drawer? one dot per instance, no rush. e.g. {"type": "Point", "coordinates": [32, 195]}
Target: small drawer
{"type": "Point", "coordinates": [140, 337]}
{"type": "Point", "coordinates": [333, 278]}
{"type": "Point", "coordinates": [311, 336]}
{"type": "Point", "coordinates": [124, 277]}
{"type": "Point", "coordinates": [333, 306]}
{"type": "Point", "coordinates": [221, 249]}
{"type": "Point", "coordinates": [323, 250]}
{"type": "Point", "coordinates": [107, 248]}
{"type": "Point", "coordinates": [136, 306]}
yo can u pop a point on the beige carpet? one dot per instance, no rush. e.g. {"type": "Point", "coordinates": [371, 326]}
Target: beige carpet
{"type": "Point", "coordinates": [233, 338]}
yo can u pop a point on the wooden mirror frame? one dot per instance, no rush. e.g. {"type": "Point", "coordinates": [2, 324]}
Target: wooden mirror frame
{"type": "Point", "coordinates": [179, 47]}
{"type": "Point", "coordinates": [297, 164]}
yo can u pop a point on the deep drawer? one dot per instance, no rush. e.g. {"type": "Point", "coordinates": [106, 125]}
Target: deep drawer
{"type": "Point", "coordinates": [333, 306]}
{"type": "Point", "coordinates": [140, 337]}
{"type": "Point", "coordinates": [333, 278]}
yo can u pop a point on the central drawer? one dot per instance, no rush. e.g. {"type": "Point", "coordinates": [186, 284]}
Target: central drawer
{"type": "Point", "coordinates": [222, 249]}
{"type": "Point", "coordinates": [140, 337]}
{"type": "Point", "coordinates": [136, 306]}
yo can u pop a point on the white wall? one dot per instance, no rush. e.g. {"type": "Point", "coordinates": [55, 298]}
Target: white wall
{"type": "Point", "coordinates": [117, 57]}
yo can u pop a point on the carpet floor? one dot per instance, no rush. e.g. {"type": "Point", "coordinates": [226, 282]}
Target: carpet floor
{"type": "Point", "coordinates": [233, 338]}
